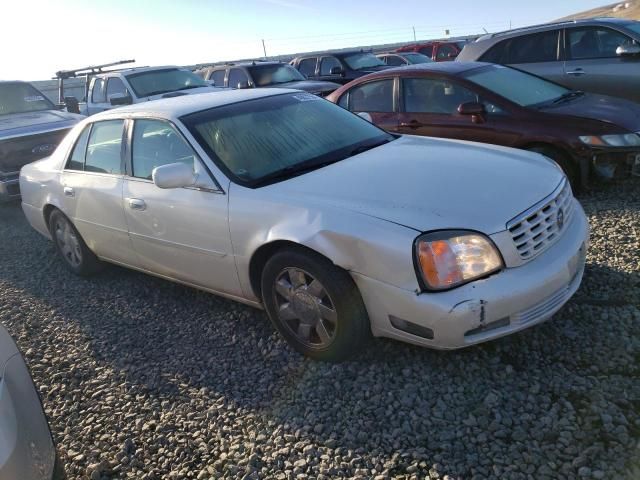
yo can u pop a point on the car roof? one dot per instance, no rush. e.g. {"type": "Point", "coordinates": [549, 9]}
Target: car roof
{"type": "Point", "coordinates": [175, 107]}
{"type": "Point", "coordinates": [444, 67]}
{"type": "Point", "coordinates": [144, 69]}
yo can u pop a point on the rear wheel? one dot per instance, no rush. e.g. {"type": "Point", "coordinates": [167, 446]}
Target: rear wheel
{"type": "Point", "coordinates": [71, 247]}
{"type": "Point", "coordinates": [314, 305]}
{"type": "Point", "coordinates": [570, 169]}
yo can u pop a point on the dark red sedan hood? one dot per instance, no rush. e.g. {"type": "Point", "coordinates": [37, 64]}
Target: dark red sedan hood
{"type": "Point", "coordinates": [617, 111]}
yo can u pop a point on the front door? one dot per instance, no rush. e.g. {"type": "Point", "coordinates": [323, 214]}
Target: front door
{"type": "Point", "coordinates": [92, 191]}
{"type": "Point", "coordinates": [592, 64]}
{"type": "Point", "coordinates": [181, 233]}
{"type": "Point", "coordinates": [430, 108]}
{"type": "Point", "coordinates": [98, 101]}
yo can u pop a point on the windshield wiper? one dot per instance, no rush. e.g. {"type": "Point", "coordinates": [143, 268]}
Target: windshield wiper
{"type": "Point", "coordinates": [568, 96]}
{"type": "Point", "coordinates": [369, 146]}
{"type": "Point", "coordinates": [291, 171]}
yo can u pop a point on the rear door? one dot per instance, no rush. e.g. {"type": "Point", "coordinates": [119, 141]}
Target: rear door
{"type": "Point", "coordinates": [97, 101]}
{"type": "Point", "coordinates": [593, 66]}
{"type": "Point", "coordinates": [429, 106]}
{"type": "Point", "coordinates": [92, 191]}
{"type": "Point", "coordinates": [378, 98]}
{"type": "Point", "coordinates": [537, 53]}
{"type": "Point", "coordinates": [181, 233]}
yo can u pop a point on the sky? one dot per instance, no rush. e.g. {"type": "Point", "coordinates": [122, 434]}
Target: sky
{"type": "Point", "coordinates": [40, 37]}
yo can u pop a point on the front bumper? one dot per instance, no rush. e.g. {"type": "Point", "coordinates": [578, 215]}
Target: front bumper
{"type": "Point", "coordinates": [610, 162]}
{"type": "Point", "coordinates": [509, 301]}
{"type": "Point", "coordinates": [9, 187]}
{"type": "Point", "coordinates": [26, 447]}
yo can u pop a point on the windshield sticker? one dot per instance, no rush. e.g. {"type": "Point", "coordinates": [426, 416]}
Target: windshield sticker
{"type": "Point", "coordinates": [306, 97]}
{"type": "Point", "coordinates": [34, 98]}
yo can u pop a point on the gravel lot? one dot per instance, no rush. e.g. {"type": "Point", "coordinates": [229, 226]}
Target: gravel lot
{"type": "Point", "coordinates": [145, 379]}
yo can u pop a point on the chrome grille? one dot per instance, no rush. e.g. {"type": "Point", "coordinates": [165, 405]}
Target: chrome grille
{"type": "Point", "coordinates": [539, 227]}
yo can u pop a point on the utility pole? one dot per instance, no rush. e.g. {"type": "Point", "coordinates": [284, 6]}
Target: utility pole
{"type": "Point", "coordinates": [264, 49]}
{"type": "Point", "coordinates": [509, 24]}
{"type": "Point", "coordinates": [414, 34]}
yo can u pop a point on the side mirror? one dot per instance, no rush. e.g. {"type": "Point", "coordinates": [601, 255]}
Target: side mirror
{"type": "Point", "coordinates": [173, 175]}
{"type": "Point", "coordinates": [366, 116]}
{"type": "Point", "coordinates": [118, 99]}
{"type": "Point", "coordinates": [625, 50]}
{"type": "Point", "coordinates": [72, 104]}
{"type": "Point", "coordinates": [242, 85]}
{"type": "Point", "coordinates": [336, 71]}
{"type": "Point", "coordinates": [471, 108]}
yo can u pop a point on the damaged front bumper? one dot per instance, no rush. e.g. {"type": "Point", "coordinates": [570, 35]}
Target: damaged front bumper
{"type": "Point", "coordinates": [9, 187]}
{"type": "Point", "coordinates": [612, 163]}
{"type": "Point", "coordinates": [507, 302]}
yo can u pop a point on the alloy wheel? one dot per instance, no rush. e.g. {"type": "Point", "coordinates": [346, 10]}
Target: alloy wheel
{"type": "Point", "coordinates": [68, 242]}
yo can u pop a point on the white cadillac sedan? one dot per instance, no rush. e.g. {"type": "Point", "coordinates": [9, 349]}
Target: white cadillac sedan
{"type": "Point", "coordinates": [284, 201]}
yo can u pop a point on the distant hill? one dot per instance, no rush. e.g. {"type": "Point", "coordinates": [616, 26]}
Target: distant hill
{"type": "Point", "coordinates": [629, 9]}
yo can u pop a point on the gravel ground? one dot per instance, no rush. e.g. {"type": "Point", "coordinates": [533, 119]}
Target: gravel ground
{"type": "Point", "coordinates": [145, 379]}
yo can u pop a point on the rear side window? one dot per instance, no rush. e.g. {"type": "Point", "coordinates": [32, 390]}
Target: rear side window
{"type": "Point", "coordinates": [98, 94]}
{"type": "Point", "coordinates": [76, 159]}
{"type": "Point", "coordinates": [237, 76]}
{"type": "Point", "coordinates": [425, 95]}
{"type": "Point", "coordinates": [534, 48]}
{"type": "Point", "coordinates": [307, 67]}
{"type": "Point", "coordinates": [372, 97]}
{"type": "Point", "coordinates": [104, 147]}
{"type": "Point", "coordinates": [594, 42]}
{"type": "Point", "coordinates": [428, 51]}
{"type": "Point", "coordinates": [218, 78]}
{"type": "Point", "coordinates": [496, 54]}
{"type": "Point", "coordinates": [327, 63]}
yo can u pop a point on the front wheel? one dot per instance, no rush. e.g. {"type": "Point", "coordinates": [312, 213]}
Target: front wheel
{"type": "Point", "coordinates": [314, 305]}
{"type": "Point", "coordinates": [71, 247]}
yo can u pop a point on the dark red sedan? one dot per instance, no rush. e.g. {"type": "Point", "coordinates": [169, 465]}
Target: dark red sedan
{"type": "Point", "coordinates": [436, 51]}
{"type": "Point", "coordinates": [495, 104]}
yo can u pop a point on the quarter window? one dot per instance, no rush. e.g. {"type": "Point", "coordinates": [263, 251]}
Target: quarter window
{"type": "Point", "coordinates": [327, 63]}
{"type": "Point", "coordinates": [237, 76]}
{"type": "Point", "coordinates": [534, 48]}
{"type": "Point", "coordinates": [218, 78]}
{"type": "Point", "coordinates": [115, 86]}
{"type": "Point", "coordinates": [308, 67]}
{"type": "Point", "coordinates": [594, 42]}
{"type": "Point", "coordinates": [424, 95]}
{"type": "Point", "coordinates": [98, 91]}
{"type": "Point", "coordinates": [76, 159]}
{"type": "Point", "coordinates": [104, 151]}
{"type": "Point", "coordinates": [156, 143]}
{"type": "Point", "coordinates": [372, 97]}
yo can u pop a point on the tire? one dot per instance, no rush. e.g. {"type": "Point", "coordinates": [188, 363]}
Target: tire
{"type": "Point", "coordinates": [570, 169]}
{"type": "Point", "coordinates": [71, 247]}
{"type": "Point", "coordinates": [314, 305]}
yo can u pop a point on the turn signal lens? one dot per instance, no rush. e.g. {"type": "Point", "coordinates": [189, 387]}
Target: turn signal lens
{"type": "Point", "coordinates": [449, 259]}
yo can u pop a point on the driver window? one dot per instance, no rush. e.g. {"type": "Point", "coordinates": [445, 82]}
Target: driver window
{"type": "Point", "coordinates": [237, 76]}
{"type": "Point", "coordinates": [156, 143]}
{"type": "Point", "coordinates": [424, 95]}
{"type": "Point", "coordinates": [327, 63]}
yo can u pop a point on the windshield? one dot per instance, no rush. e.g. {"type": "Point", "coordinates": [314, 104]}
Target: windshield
{"type": "Point", "coordinates": [519, 87]}
{"type": "Point", "coordinates": [265, 75]}
{"type": "Point", "coordinates": [254, 139]}
{"type": "Point", "coordinates": [416, 58]}
{"type": "Point", "coordinates": [21, 97]}
{"type": "Point", "coordinates": [155, 82]}
{"type": "Point", "coordinates": [360, 61]}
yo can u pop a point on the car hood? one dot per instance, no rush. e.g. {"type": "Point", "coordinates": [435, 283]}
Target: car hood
{"type": "Point", "coordinates": [310, 86]}
{"type": "Point", "coordinates": [29, 123]}
{"type": "Point", "coordinates": [429, 184]}
{"type": "Point", "coordinates": [617, 111]}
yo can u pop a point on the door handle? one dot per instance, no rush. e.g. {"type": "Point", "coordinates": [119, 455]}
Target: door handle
{"type": "Point", "coordinates": [69, 192]}
{"type": "Point", "coordinates": [411, 124]}
{"type": "Point", "coordinates": [137, 204]}
{"type": "Point", "coordinates": [577, 72]}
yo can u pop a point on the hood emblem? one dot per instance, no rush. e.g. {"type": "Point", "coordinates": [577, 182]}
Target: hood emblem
{"type": "Point", "coordinates": [560, 219]}
{"type": "Point", "coordinates": [44, 148]}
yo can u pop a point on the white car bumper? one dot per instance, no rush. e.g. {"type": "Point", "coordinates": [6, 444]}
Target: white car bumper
{"type": "Point", "coordinates": [512, 300]}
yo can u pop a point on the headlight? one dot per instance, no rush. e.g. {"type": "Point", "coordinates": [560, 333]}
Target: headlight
{"type": "Point", "coordinates": [622, 140]}
{"type": "Point", "coordinates": [448, 259]}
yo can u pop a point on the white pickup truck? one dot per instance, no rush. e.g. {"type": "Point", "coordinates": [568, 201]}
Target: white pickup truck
{"type": "Point", "coordinates": [135, 85]}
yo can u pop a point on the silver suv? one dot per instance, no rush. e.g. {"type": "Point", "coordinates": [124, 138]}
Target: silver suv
{"type": "Point", "coordinates": [600, 55]}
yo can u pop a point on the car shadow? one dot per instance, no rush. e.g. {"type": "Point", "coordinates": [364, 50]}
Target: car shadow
{"type": "Point", "coordinates": [171, 342]}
